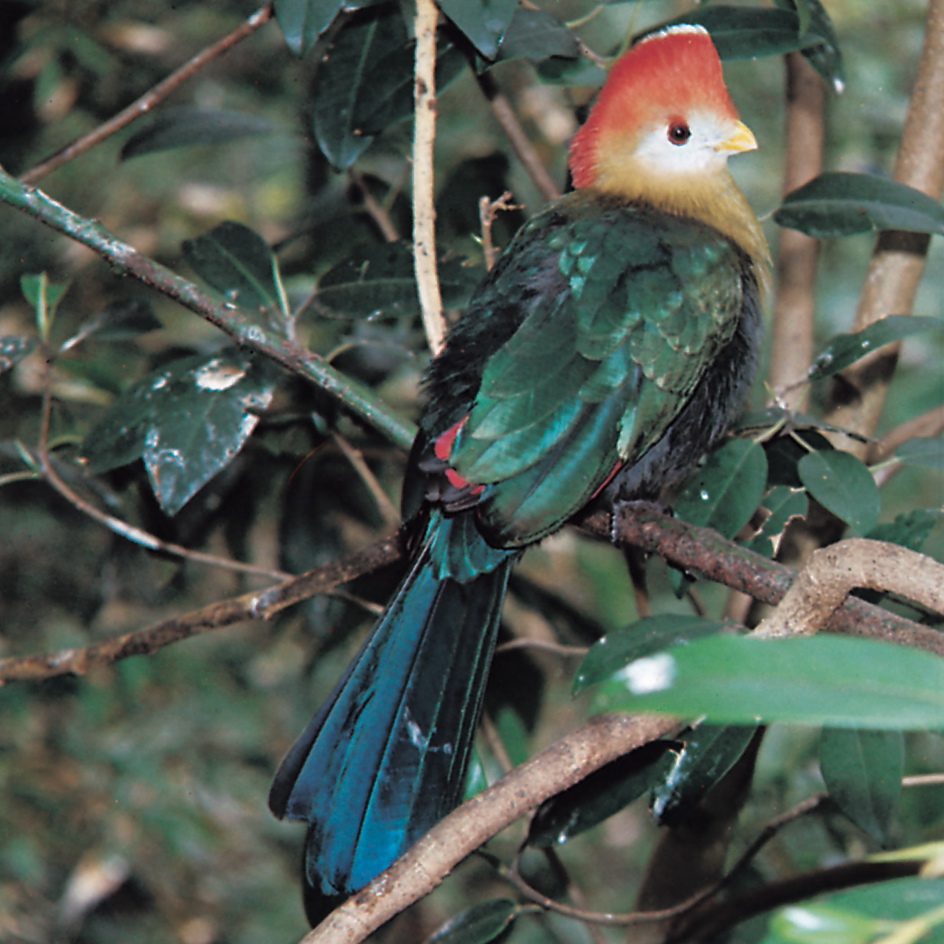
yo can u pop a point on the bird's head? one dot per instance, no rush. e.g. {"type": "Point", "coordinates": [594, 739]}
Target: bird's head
{"type": "Point", "coordinates": [662, 130]}
{"type": "Point", "coordinates": [663, 114]}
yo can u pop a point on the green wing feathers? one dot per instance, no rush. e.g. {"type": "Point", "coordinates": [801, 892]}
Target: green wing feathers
{"type": "Point", "coordinates": [623, 309]}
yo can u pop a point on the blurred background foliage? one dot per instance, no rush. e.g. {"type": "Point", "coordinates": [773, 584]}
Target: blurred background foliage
{"type": "Point", "coordinates": [132, 800]}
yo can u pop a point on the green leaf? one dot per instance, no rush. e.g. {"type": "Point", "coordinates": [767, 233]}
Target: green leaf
{"type": "Point", "coordinates": [784, 453]}
{"type": "Point", "coordinates": [862, 770]}
{"type": "Point", "coordinates": [559, 71]}
{"type": "Point", "coordinates": [710, 751]}
{"type": "Point", "coordinates": [650, 634]}
{"type": "Point", "coordinates": [119, 320]}
{"type": "Point", "coordinates": [823, 679]}
{"type": "Point", "coordinates": [482, 21]}
{"type": "Point", "coordinates": [726, 490]}
{"type": "Point", "coordinates": [600, 795]}
{"type": "Point", "coordinates": [238, 262]}
{"type": "Point", "coordinates": [480, 924]}
{"type": "Point", "coordinates": [909, 529]}
{"type": "Point", "coordinates": [45, 297]}
{"type": "Point", "coordinates": [303, 21]}
{"type": "Point", "coordinates": [842, 484]}
{"type": "Point", "coordinates": [840, 203]}
{"type": "Point", "coordinates": [922, 450]}
{"type": "Point", "coordinates": [825, 57]}
{"type": "Point", "coordinates": [845, 349]}
{"type": "Point", "coordinates": [536, 35]}
{"type": "Point", "coordinates": [187, 421]}
{"type": "Point", "coordinates": [182, 127]}
{"type": "Point", "coordinates": [783, 503]}
{"type": "Point", "coordinates": [13, 348]}
{"type": "Point", "coordinates": [751, 32]}
{"type": "Point", "coordinates": [817, 923]}
{"type": "Point", "coordinates": [378, 280]}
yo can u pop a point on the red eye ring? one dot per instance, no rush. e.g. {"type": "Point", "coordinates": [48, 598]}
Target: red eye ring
{"type": "Point", "coordinates": [678, 132]}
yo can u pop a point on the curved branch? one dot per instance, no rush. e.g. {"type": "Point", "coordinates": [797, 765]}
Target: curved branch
{"type": "Point", "coordinates": [426, 864]}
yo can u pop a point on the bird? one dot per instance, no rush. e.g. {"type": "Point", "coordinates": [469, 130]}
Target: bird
{"type": "Point", "coordinates": [605, 352]}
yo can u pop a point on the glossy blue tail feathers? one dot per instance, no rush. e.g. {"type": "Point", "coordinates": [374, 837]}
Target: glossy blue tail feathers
{"type": "Point", "coordinates": [385, 757]}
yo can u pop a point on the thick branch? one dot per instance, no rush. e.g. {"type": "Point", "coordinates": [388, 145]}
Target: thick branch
{"type": "Point", "coordinates": [703, 551]}
{"type": "Point", "coordinates": [832, 572]}
{"type": "Point", "coordinates": [791, 344]}
{"type": "Point", "coordinates": [423, 867]}
{"type": "Point", "coordinates": [898, 260]}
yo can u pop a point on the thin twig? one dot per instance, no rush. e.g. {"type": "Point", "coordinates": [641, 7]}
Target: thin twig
{"type": "Point", "coordinates": [424, 213]}
{"type": "Point", "coordinates": [518, 140]}
{"type": "Point", "coordinates": [488, 210]}
{"type": "Point", "coordinates": [376, 212]}
{"type": "Point", "coordinates": [260, 604]}
{"type": "Point", "coordinates": [386, 507]}
{"type": "Point", "coordinates": [543, 645]}
{"type": "Point", "coordinates": [150, 98]}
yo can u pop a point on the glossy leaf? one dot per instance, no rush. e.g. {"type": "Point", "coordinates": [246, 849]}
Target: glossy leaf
{"type": "Point", "coordinates": [559, 71]}
{"type": "Point", "coordinates": [845, 349]}
{"type": "Point", "coordinates": [823, 679]}
{"type": "Point", "coordinates": [752, 32]}
{"type": "Point", "coordinates": [839, 203]}
{"type": "Point", "coordinates": [303, 21]}
{"type": "Point", "coordinates": [862, 770]}
{"type": "Point", "coordinates": [825, 57]}
{"type": "Point", "coordinates": [600, 795]}
{"type": "Point", "coordinates": [482, 21]}
{"type": "Point", "coordinates": [182, 127]}
{"type": "Point", "coordinates": [709, 752]}
{"type": "Point", "coordinates": [13, 348]}
{"type": "Point", "coordinates": [238, 262]}
{"type": "Point", "coordinates": [922, 450]}
{"type": "Point", "coordinates": [815, 923]}
{"type": "Point", "coordinates": [650, 634]}
{"type": "Point", "coordinates": [842, 484]}
{"type": "Point", "coordinates": [785, 451]}
{"type": "Point", "coordinates": [859, 915]}
{"type": "Point", "coordinates": [365, 83]}
{"type": "Point", "coordinates": [726, 490]}
{"type": "Point", "coordinates": [784, 504]}
{"type": "Point", "coordinates": [187, 421]}
{"type": "Point", "coordinates": [536, 35]}
{"type": "Point", "coordinates": [480, 924]}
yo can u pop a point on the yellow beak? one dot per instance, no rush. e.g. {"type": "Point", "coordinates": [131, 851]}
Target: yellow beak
{"type": "Point", "coordinates": [742, 140]}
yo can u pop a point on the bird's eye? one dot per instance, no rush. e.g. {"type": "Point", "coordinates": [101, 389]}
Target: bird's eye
{"type": "Point", "coordinates": [679, 132]}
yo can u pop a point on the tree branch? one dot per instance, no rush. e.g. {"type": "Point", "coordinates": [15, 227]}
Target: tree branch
{"type": "Point", "coordinates": [425, 865]}
{"type": "Point", "coordinates": [898, 260]}
{"type": "Point", "coordinates": [258, 605]}
{"type": "Point", "coordinates": [791, 337]}
{"type": "Point", "coordinates": [424, 213]}
{"type": "Point", "coordinates": [126, 260]}
{"type": "Point", "coordinates": [832, 572]}
{"type": "Point", "coordinates": [152, 97]}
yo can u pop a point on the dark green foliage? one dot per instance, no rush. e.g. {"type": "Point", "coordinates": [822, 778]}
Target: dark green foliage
{"type": "Point", "coordinates": [480, 924]}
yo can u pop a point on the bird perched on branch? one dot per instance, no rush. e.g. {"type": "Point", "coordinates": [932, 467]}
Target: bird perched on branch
{"type": "Point", "coordinates": [608, 348]}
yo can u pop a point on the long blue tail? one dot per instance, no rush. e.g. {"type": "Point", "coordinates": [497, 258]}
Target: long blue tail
{"type": "Point", "coordinates": [385, 758]}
